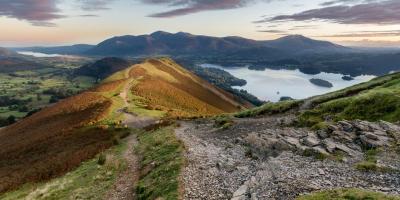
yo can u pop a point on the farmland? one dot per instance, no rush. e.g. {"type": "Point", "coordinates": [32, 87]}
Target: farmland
{"type": "Point", "coordinates": [27, 91]}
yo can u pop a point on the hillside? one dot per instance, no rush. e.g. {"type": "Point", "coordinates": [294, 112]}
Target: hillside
{"type": "Point", "coordinates": [57, 139]}
{"type": "Point", "coordinates": [168, 87]}
{"type": "Point", "coordinates": [103, 68]}
{"type": "Point", "coordinates": [6, 52]}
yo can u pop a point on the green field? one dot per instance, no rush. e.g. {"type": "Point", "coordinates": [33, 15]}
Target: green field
{"type": "Point", "coordinates": [29, 90]}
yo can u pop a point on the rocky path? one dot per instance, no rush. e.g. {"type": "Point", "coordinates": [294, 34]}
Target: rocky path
{"type": "Point", "coordinates": [261, 159]}
{"type": "Point", "coordinates": [124, 186]}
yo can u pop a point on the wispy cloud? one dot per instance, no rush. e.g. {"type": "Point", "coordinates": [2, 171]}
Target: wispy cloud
{"type": "Point", "coordinates": [185, 7]}
{"type": "Point", "coordinates": [94, 5]}
{"type": "Point", "coordinates": [37, 12]}
{"type": "Point", "coordinates": [364, 34]}
{"type": "Point", "coordinates": [382, 12]}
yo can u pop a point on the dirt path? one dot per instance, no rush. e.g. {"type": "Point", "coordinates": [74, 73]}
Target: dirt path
{"type": "Point", "coordinates": [124, 186]}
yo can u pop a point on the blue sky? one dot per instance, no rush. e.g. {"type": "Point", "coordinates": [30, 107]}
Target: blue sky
{"type": "Point", "coordinates": [57, 22]}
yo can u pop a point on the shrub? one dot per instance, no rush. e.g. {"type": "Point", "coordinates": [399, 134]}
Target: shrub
{"type": "Point", "coordinates": [102, 159]}
{"type": "Point", "coordinates": [223, 122]}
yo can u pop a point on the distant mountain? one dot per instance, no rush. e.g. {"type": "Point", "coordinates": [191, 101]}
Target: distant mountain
{"type": "Point", "coordinates": [103, 68]}
{"type": "Point", "coordinates": [66, 50]}
{"type": "Point", "coordinates": [163, 43]}
{"type": "Point", "coordinates": [300, 44]}
{"type": "Point", "coordinates": [11, 61]}
{"type": "Point", "coordinates": [6, 52]}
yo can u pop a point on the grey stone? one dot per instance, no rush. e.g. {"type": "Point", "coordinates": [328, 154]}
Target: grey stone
{"type": "Point", "coordinates": [310, 141]}
{"type": "Point", "coordinates": [371, 136]}
{"type": "Point", "coordinates": [240, 193]}
{"type": "Point", "coordinates": [346, 126]}
{"type": "Point", "coordinates": [322, 134]}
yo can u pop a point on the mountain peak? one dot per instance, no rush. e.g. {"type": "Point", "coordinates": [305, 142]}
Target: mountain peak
{"type": "Point", "coordinates": [160, 33]}
{"type": "Point", "coordinates": [294, 37]}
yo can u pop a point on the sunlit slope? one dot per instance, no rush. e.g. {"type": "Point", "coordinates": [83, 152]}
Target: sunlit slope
{"type": "Point", "coordinates": [166, 86]}
{"type": "Point", "coordinates": [58, 138]}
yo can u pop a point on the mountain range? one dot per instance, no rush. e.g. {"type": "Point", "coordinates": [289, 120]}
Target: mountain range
{"type": "Point", "coordinates": [181, 43]}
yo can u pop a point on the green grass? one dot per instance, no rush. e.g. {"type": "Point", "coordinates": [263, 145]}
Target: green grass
{"type": "Point", "coordinates": [370, 162]}
{"type": "Point", "coordinates": [161, 164]}
{"type": "Point", "coordinates": [347, 194]}
{"type": "Point", "coordinates": [371, 101]}
{"type": "Point", "coordinates": [89, 181]}
{"type": "Point", "coordinates": [269, 108]}
{"type": "Point", "coordinates": [223, 121]}
{"type": "Point", "coordinates": [17, 87]}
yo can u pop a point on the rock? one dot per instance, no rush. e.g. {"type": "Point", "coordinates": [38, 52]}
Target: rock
{"type": "Point", "coordinates": [240, 193]}
{"type": "Point", "coordinates": [331, 146]}
{"type": "Point", "coordinates": [389, 126]}
{"type": "Point", "coordinates": [346, 126]}
{"type": "Point", "coordinates": [371, 136]}
{"type": "Point", "coordinates": [347, 136]}
{"type": "Point", "coordinates": [372, 143]}
{"type": "Point", "coordinates": [310, 141]}
{"type": "Point", "coordinates": [322, 134]}
{"type": "Point", "coordinates": [332, 128]}
{"type": "Point", "coordinates": [361, 125]}
{"type": "Point", "coordinates": [320, 150]}
{"type": "Point", "coordinates": [321, 172]}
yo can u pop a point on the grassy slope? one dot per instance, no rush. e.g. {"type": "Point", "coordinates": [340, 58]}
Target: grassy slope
{"type": "Point", "coordinates": [161, 164]}
{"type": "Point", "coordinates": [160, 149]}
{"type": "Point", "coordinates": [166, 86]}
{"type": "Point", "coordinates": [57, 139]}
{"type": "Point", "coordinates": [89, 181]}
{"type": "Point", "coordinates": [347, 194]}
{"type": "Point", "coordinates": [378, 99]}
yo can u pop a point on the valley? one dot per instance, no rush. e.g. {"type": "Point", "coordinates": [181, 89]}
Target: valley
{"type": "Point", "coordinates": [139, 130]}
{"type": "Point", "coordinates": [200, 100]}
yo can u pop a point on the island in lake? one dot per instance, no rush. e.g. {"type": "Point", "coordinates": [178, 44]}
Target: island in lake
{"type": "Point", "coordinates": [321, 82]}
{"type": "Point", "coordinates": [347, 78]}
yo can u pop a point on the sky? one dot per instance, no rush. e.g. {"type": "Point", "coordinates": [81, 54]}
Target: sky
{"type": "Point", "coordinates": [65, 22]}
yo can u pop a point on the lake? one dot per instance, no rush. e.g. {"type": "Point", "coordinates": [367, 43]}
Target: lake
{"type": "Point", "coordinates": [271, 85]}
{"type": "Point", "coordinates": [39, 55]}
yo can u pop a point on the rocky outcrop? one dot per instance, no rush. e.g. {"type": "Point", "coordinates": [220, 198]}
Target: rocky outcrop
{"type": "Point", "coordinates": [349, 137]}
{"type": "Point", "coordinates": [268, 162]}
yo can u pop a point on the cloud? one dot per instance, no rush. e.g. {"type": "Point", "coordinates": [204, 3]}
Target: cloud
{"type": "Point", "coordinates": [94, 5]}
{"type": "Point", "coordinates": [365, 34]}
{"type": "Point", "coordinates": [194, 6]}
{"type": "Point", "coordinates": [272, 31]}
{"type": "Point", "coordinates": [37, 12]}
{"type": "Point", "coordinates": [384, 12]}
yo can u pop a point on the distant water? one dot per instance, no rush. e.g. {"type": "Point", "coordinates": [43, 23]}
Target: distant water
{"type": "Point", "coordinates": [271, 85]}
{"type": "Point", "coordinates": [39, 55]}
